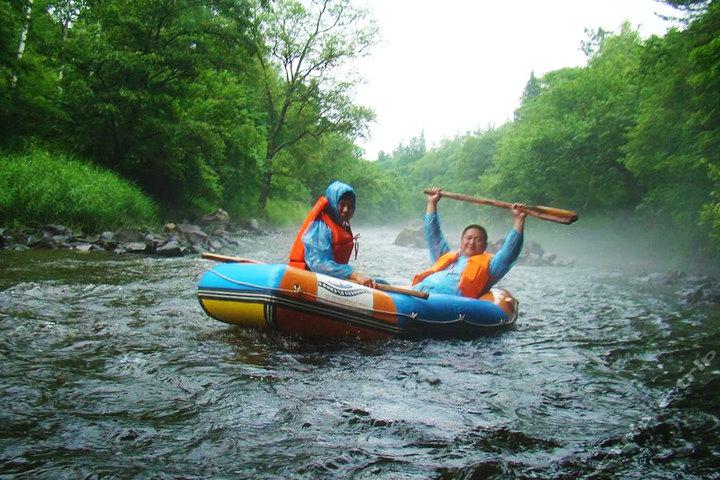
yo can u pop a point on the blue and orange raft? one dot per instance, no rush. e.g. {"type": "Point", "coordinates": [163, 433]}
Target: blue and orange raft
{"type": "Point", "coordinates": [288, 299]}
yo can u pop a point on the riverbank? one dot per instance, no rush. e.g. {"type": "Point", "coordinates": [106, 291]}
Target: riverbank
{"type": "Point", "coordinates": [212, 234]}
{"type": "Point", "coordinates": [216, 233]}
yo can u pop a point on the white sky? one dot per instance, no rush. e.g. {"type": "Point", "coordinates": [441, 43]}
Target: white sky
{"type": "Point", "coordinates": [454, 66]}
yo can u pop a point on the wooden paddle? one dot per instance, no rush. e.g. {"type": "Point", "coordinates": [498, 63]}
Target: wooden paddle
{"type": "Point", "coordinates": [538, 211]}
{"type": "Point", "coordinates": [379, 286]}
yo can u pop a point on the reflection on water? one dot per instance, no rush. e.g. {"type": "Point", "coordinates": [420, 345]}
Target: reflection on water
{"type": "Point", "coordinates": [110, 369]}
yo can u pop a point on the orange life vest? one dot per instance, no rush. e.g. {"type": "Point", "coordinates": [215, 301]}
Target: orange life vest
{"type": "Point", "coordinates": [473, 280]}
{"type": "Point", "coordinates": [342, 238]}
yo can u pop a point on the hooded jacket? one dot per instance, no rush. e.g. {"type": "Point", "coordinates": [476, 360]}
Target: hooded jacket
{"type": "Point", "coordinates": [323, 244]}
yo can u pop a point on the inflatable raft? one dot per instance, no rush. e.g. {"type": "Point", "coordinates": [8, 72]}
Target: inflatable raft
{"type": "Point", "coordinates": [287, 299]}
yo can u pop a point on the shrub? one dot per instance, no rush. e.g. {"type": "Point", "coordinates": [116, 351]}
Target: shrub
{"type": "Point", "coordinates": [40, 187]}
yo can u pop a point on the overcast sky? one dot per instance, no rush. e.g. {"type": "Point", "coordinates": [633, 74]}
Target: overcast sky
{"type": "Point", "coordinates": [453, 66]}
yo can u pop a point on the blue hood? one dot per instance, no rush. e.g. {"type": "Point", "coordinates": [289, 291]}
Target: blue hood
{"type": "Point", "coordinates": [333, 193]}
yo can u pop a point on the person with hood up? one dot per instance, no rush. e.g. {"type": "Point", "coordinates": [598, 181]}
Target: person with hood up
{"type": "Point", "coordinates": [469, 272]}
{"type": "Point", "coordinates": [325, 241]}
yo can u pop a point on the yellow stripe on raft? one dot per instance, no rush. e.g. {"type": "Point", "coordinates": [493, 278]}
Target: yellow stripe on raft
{"type": "Point", "coordinates": [241, 313]}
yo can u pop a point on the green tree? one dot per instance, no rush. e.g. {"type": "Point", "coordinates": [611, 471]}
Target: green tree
{"type": "Point", "coordinates": [304, 49]}
{"type": "Point", "coordinates": [28, 72]}
{"type": "Point", "coordinates": [673, 149]}
{"type": "Point", "coordinates": [565, 147]}
{"type": "Point", "coordinates": [131, 79]}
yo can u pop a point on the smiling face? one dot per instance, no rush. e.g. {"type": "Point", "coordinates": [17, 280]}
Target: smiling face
{"type": "Point", "coordinates": [346, 207]}
{"type": "Point", "coordinates": [473, 241]}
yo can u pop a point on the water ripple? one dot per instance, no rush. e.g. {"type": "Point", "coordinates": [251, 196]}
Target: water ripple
{"type": "Point", "coordinates": [110, 369]}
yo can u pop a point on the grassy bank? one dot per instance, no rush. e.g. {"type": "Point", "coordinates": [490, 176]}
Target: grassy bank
{"type": "Point", "coordinates": [286, 213]}
{"type": "Point", "coordinates": [39, 187]}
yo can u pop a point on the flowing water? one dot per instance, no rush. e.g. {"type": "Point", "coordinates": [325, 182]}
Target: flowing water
{"type": "Point", "coordinates": [110, 369]}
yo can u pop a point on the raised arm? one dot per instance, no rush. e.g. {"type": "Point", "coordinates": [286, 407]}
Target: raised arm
{"type": "Point", "coordinates": [433, 234]}
{"type": "Point", "coordinates": [503, 260]}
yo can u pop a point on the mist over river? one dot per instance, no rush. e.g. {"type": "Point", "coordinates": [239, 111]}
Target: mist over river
{"type": "Point", "coordinates": [110, 369]}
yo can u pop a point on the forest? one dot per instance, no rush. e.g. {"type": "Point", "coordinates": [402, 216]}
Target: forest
{"type": "Point", "coordinates": [247, 105]}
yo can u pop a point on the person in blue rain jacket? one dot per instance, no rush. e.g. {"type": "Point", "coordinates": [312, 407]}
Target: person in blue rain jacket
{"type": "Point", "coordinates": [325, 242]}
{"type": "Point", "coordinates": [471, 271]}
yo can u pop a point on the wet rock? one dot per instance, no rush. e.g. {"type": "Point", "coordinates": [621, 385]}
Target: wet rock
{"type": "Point", "coordinates": [129, 236]}
{"type": "Point", "coordinates": [653, 278]}
{"type": "Point", "coordinates": [107, 241]}
{"type": "Point", "coordinates": [62, 239]}
{"type": "Point", "coordinates": [154, 241]}
{"type": "Point", "coordinates": [192, 233]}
{"type": "Point", "coordinates": [171, 249]}
{"type": "Point", "coordinates": [535, 249]}
{"type": "Point", "coordinates": [693, 295]}
{"type": "Point", "coordinates": [218, 217]}
{"type": "Point", "coordinates": [54, 229]}
{"type": "Point", "coordinates": [673, 278]}
{"type": "Point", "coordinates": [88, 239]}
{"type": "Point", "coordinates": [706, 293]}
{"type": "Point", "coordinates": [134, 247]}
{"type": "Point", "coordinates": [175, 239]}
{"type": "Point", "coordinates": [532, 259]}
{"type": "Point", "coordinates": [534, 255]}
{"type": "Point", "coordinates": [251, 225]}
{"type": "Point", "coordinates": [39, 241]}
{"type": "Point", "coordinates": [410, 237]}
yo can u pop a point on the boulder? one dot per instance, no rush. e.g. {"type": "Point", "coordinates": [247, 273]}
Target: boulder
{"type": "Point", "coordinates": [134, 247]}
{"type": "Point", "coordinates": [106, 240]}
{"type": "Point", "coordinates": [252, 225]}
{"type": "Point", "coordinates": [409, 237]}
{"type": "Point", "coordinates": [83, 247]}
{"type": "Point", "coordinates": [129, 236]}
{"type": "Point", "coordinates": [42, 241]}
{"type": "Point", "coordinates": [219, 216]}
{"type": "Point", "coordinates": [192, 233]}
{"type": "Point", "coordinates": [61, 239]}
{"type": "Point", "coordinates": [56, 230]}
{"type": "Point", "coordinates": [171, 249]}
{"type": "Point", "coordinates": [534, 248]}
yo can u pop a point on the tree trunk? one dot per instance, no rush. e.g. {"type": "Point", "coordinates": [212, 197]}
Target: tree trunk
{"type": "Point", "coordinates": [265, 188]}
{"type": "Point", "coordinates": [23, 37]}
{"type": "Point", "coordinates": [63, 40]}
{"type": "Point", "coordinates": [267, 175]}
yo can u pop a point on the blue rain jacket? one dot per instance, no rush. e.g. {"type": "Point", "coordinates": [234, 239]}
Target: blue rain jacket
{"type": "Point", "coordinates": [446, 281]}
{"type": "Point", "coordinates": [317, 239]}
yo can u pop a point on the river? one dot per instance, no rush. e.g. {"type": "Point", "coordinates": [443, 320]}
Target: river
{"type": "Point", "coordinates": [110, 369]}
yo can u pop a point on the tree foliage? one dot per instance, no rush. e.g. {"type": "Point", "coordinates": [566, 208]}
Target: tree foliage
{"type": "Point", "coordinates": [191, 100]}
{"type": "Point", "coordinates": [636, 129]}
{"type": "Point", "coordinates": [235, 103]}
{"type": "Point", "coordinates": [309, 45]}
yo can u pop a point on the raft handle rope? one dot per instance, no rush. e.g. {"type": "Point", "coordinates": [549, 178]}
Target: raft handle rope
{"type": "Point", "coordinates": [296, 289]}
